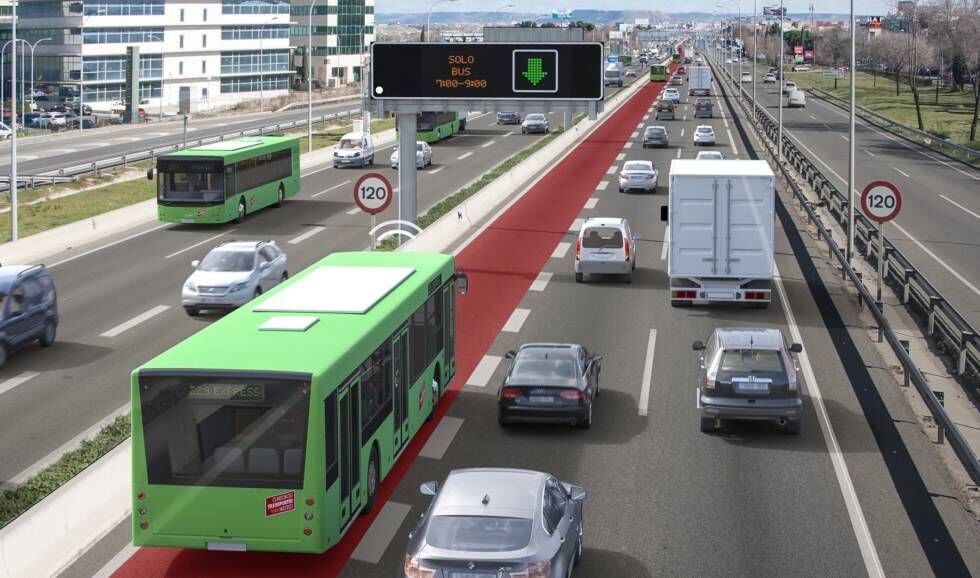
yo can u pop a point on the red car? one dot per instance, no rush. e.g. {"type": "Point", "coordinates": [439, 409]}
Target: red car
{"type": "Point", "coordinates": [681, 70]}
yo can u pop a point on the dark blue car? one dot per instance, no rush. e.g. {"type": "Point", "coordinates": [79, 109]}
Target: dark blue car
{"type": "Point", "coordinates": [28, 308]}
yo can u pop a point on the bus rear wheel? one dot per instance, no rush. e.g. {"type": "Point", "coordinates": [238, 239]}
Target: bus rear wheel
{"type": "Point", "coordinates": [373, 482]}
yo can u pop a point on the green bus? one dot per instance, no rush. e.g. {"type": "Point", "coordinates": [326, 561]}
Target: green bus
{"type": "Point", "coordinates": [435, 126]}
{"type": "Point", "coordinates": [225, 180]}
{"type": "Point", "coordinates": [272, 428]}
{"type": "Point", "coordinates": [675, 58]}
{"type": "Point", "coordinates": [658, 73]}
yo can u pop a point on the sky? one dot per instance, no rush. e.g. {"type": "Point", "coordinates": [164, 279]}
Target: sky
{"type": "Point", "coordinates": [878, 7]}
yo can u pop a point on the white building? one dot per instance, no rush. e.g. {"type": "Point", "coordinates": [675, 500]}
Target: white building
{"type": "Point", "coordinates": [342, 32]}
{"type": "Point", "coordinates": [211, 47]}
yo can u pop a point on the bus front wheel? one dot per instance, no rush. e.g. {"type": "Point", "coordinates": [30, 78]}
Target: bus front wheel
{"type": "Point", "coordinates": [373, 482]}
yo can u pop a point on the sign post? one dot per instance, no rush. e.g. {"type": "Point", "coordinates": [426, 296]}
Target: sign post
{"type": "Point", "coordinates": [881, 202]}
{"type": "Point", "coordinates": [372, 193]}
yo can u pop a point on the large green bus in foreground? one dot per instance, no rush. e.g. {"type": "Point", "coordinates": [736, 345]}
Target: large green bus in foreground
{"type": "Point", "coordinates": [272, 428]}
{"type": "Point", "coordinates": [225, 180]}
{"type": "Point", "coordinates": [658, 72]}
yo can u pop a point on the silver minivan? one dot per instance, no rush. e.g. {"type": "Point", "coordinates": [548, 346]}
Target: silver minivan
{"type": "Point", "coordinates": [605, 246]}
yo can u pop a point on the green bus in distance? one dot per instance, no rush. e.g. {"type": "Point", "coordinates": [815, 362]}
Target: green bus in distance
{"type": "Point", "coordinates": [676, 58]}
{"type": "Point", "coordinates": [435, 126]}
{"type": "Point", "coordinates": [272, 428]}
{"type": "Point", "coordinates": [225, 180]}
{"type": "Point", "coordinates": [658, 73]}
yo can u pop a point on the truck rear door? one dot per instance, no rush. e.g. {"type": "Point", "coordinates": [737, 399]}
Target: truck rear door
{"type": "Point", "coordinates": [748, 209]}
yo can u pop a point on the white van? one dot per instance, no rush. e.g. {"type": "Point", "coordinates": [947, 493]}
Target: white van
{"type": "Point", "coordinates": [605, 247]}
{"type": "Point", "coordinates": [354, 149]}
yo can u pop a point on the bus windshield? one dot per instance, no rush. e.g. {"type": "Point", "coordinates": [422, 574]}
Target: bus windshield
{"type": "Point", "coordinates": [193, 187]}
{"type": "Point", "coordinates": [208, 430]}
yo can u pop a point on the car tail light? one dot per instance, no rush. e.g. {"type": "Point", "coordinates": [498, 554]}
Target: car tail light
{"type": "Point", "coordinates": [578, 250]}
{"type": "Point", "coordinates": [510, 393]}
{"type": "Point", "coordinates": [755, 295]}
{"type": "Point", "coordinates": [534, 570]}
{"type": "Point", "coordinates": [571, 394]}
{"type": "Point", "coordinates": [413, 569]}
{"type": "Point", "coordinates": [622, 175]}
{"type": "Point", "coordinates": [626, 248]}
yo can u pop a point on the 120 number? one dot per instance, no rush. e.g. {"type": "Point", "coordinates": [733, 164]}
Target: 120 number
{"type": "Point", "coordinates": [374, 193]}
{"type": "Point", "coordinates": [881, 201]}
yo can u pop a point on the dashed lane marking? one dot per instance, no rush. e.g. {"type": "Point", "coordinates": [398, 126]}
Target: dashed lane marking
{"type": "Point", "coordinates": [602, 185]}
{"type": "Point", "coordinates": [647, 373]}
{"type": "Point", "coordinates": [8, 384]}
{"type": "Point", "coordinates": [375, 541]}
{"type": "Point", "coordinates": [327, 190]}
{"type": "Point", "coordinates": [141, 318]}
{"type": "Point", "coordinates": [576, 225]}
{"type": "Point", "coordinates": [591, 203]}
{"type": "Point", "coordinates": [516, 320]}
{"type": "Point", "coordinates": [541, 281]}
{"type": "Point", "coordinates": [484, 371]}
{"type": "Point", "coordinates": [195, 245]}
{"type": "Point", "coordinates": [561, 249]}
{"type": "Point", "coordinates": [304, 236]}
{"type": "Point", "coordinates": [441, 438]}
{"type": "Point", "coordinates": [464, 155]}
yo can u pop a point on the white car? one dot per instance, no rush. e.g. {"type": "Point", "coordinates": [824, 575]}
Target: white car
{"type": "Point", "coordinates": [5, 131]}
{"type": "Point", "coordinates": [710, 156]}
{"type": "Point", "coordinates": [605, 247]}
{"type": "Point", "coordinates": [233, 274]}
{"type": "Point", "coordinates": [746, 77]}
{"type": "Point", "coordinates": [672, 94]}
{"type": "Point", "coordinates": [796, 99]}
{"type": "Point", "coordinates": [788, 87]}
{"type": "Point", "coordinates": [640, 175]}
{"type": "Point", "coordinates": [704, 135]}
{"type": "Point", "coordinates": [769, 79]}
{"type": "Point", "coordinates": [801, 68]}
{"type": "Point", "coordinates": [423, 155]}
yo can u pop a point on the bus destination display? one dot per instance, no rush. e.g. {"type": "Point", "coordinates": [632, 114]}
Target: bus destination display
{"type": "Point", "coordinates": [487, 71]}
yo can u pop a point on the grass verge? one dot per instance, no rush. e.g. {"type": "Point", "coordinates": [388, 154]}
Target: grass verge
{"type": "Point", "coordinates": [17, 501]}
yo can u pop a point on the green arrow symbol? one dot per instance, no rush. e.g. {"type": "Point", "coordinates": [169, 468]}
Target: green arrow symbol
{"type": "Point", "coordinates": [534, 74]}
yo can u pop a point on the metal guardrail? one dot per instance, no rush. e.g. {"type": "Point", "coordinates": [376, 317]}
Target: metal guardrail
{"type": "Point", "coordinates": [921, 137]}
{"type": "Point", "coordinates": [944, 322]}
{"type": "Point", "coordinates": [150, 154]}
{"type": "Point", "coordinates": [318, 102]}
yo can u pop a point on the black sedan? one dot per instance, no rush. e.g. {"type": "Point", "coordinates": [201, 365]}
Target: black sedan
{"type": "Point", "coordinates": [550, 383]}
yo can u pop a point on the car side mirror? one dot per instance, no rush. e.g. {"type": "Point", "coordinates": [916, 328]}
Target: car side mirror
{"type": "Point", "coordinates": [597, 358]}
{"type": "Point", "coordinates": [663, 213]}
{"type": "Point", "coordinates": [462, 282]}
{"type": "Point", "coordinates": [195, 263]}
{"type": "Point", "coordinates": [510, 355]}
{"type": "Point", "coordinates": [698, 346]}
{"type": "Point", "coordinates": [149, 174]}
{"type": "Point", "coordinates": [578, 494]}
{"type": "Point", "coordinates": [429, 488]}
{"type": "Point", "coordinates": [796, 347]}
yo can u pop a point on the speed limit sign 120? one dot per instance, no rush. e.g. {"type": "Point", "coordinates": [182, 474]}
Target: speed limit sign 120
{"type": "Point", "coordinates": [881, 201]}
{"type": "Point", "coordinates": [372, 193]}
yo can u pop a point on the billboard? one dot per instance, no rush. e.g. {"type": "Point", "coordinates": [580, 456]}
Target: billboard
{"type": "Point", "coordinates": [772, 11]}
{"type": "Point", "coordinates": [798, 50]}
{"type": "Point", "coordinates": [808, 55]}
{"type": "Point", "coordinates": [873, 22]}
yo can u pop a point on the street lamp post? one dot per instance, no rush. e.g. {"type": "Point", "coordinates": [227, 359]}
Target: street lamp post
{"type": "Point", "coordinates": [309, 82]}
{"type": "Point", "coordinates": [33, 46]}
{"type": "Point", "coordinates": [782, 83]}
{"type": "Point", "coordinates": [738, 23]}
{"type": "Point", "coordinates": [428, 16]}
{"type": "Point", "coordinates": [12, 183]}
{"type": "Point", "coordinates": [755, 54]}
{"type": "Point", "coordinates": [850, 152]}
{"type": "Point", "coordinates": [502, 6]}
{"type": "Point", "coordinates": [262, 62]}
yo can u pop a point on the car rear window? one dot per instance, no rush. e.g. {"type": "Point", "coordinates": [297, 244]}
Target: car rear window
{"type": "Point", "coordinates": [637, 166]}
{"type": "Point", "coordinates": [554, 368]}
{"type": "Point", "coordinates": [478, 533]}
{"type": "Point", "coordinates": [602, 238]}
{"type": "Point", "coordinates": [750, 360]}
{"type": "Point", "coordinates": [655, 130]}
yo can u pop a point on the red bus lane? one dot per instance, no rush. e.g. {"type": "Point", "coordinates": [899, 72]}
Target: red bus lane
{"type": "Point", "coordinates": [501, 264]}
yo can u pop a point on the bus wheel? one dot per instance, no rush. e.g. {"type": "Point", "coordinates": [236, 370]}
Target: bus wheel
{"type": "Point", "coordinates": [373, 481]}
{"type": "Point", "coordinates": [241, 211]}
{"type": "Point", "coordinates": [280, 196]}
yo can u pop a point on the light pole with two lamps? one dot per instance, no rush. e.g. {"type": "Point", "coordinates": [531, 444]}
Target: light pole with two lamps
{"type": "Point", "coordinates": [428, 17]}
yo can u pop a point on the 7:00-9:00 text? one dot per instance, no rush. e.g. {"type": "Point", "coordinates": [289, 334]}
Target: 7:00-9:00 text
{"type": "Point", "coordinates": [456, 83]}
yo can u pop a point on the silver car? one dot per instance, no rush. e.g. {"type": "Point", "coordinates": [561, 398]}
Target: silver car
{"type": "Point", "coordinates": [497, 522]}
{"type": "Point", "coordinates": [656, 136]}
{"type": "Point", "coordinates": [748, 374]}
{"type": "Point", "coordinates": [232, 274]}
{"type": "Point", "coordinates": [605, 247]}
{"type": "Point", "coordinates": [423, 155]}
{"type": "Point", "coordinates": [535, 123]}
{"type": "Point", "coordinates": [639, 175]}
{"type": "Point", "coordinates": [704, 135]}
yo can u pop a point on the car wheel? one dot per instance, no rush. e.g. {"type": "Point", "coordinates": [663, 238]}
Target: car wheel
{"type": "Point", "coordinates": [3, 354]}
{"type": "Point", "coordinates": [622, 190]}
{"type": "Point", "coordinates": [579, 277]}
{"type": "Point", "coordinates": [707, 425]}
{"type": "Point", "coordinates": [47, 338]}
{"type": "Point", "coordinates": [241, 211]}
{"type": "Point", "coordinates": [634, 265]}
{"type": "Point", "coordinates": [192, 311]}
{"type": "Point", "coordinates": [792, 427]}
{"type": "Point", "coordinates": [258, 291]}
{"type": "Point", "coordinates": [629, 277]}
{"type": "Point", "coordinates": [502, 421]}
{"type": "Point", "coordinates": [373, 482]}
{"type": "Point", "coordinates": [284, 276]}
{"type": "Point", "coordinates": [280, 196]}
{"type": "Point", "coordinates": [587, 422]}
{"type": "Point", "coordinates": [580, 545]}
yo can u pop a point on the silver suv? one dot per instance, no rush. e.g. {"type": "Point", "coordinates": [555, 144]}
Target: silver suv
{"type": "Point", "coordinates": [232, 274]}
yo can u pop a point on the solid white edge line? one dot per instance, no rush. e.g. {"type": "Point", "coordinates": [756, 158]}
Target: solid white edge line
{"type": "Point", "coordinates": [961, 207]}
{"type": "Point", "coordinates": [666, 244]}
{"type": "Point", "coordinates": [195, 245]}
{"type": "Point", "coordinates": [647, 373]}
{"type": "Point", "coordinates": [127, 325]}
{"type": "Point", "coordinates": [858, 523]}
{"type": "Point", "coordinates": [327, 190]}
{"type": "Point", "coordinates": [516, 320]}
{"type": "Point", "coordinates": [107, 245]}
{"type": "Point", "coordinates": [731, 141]}
{"type": "Point", "coordinates": [20, 379]}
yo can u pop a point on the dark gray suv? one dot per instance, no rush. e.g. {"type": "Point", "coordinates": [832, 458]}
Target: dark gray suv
{"type": "Point", "coordinates": [748, 374]}
{"type": "Point", "coordinates": [28, 308]}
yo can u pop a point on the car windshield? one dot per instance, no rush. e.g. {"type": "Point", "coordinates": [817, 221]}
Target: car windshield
{"type": "Point", "coordinates": [751, 360]}
{"type": "Point", "coordinates": [602, 238]}
{"type": "Point", "coordinates": [227, 261]}
{"type": "Point", "coordinates": [349, 144]}
{"type": "Point", "coordinates": [478, 533]}
{"type": "Point", "coordinates": [637, 166]}
{"type": "Point", "coordinates": [419, 147]}
{"type": "Point", "coordinates": [533, 366]}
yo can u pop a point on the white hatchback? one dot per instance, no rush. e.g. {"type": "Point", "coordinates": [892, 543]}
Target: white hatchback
{"type": "Point", "coordinates": [704, 135]}
{"type": "Point", "coordinates": [673, 95]}
{"type": "Point", "coordinates": [605, 246]}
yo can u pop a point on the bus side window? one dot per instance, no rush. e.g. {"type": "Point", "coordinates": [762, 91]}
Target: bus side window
{"type": "Point", "coordinates": [330, 439]}
{"type": "Point", "coordinates": [230, 181]}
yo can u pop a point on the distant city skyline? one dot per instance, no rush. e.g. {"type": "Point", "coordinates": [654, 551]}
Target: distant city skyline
{"type": "Point", "coordinates": [876, 7]}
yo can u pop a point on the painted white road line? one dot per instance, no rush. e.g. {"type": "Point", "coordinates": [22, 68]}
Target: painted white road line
{"type": "Point", "coordinates": [620, 156]}
{"type": "Point", "coordinates": [116, 562]}
{"type": "Point", "coordinates": [437, 170]}
{"type": "Point", "coordinates": [639, 125]}
{"type": "Point", "coordinates": [591, 203]}
{"type": "Point", "coordinates": [128, 139]}
{"type": "Point", "coordinates": [8, 384]}
{"type": "Point", "coordinates": [684, 117]}
{"type": "Point", "coordinates": [488, 143]}
{"type": "Point", "coordinates": [142, 317]}
{"type": "Point", "coordinates": [507, 134]}
{"type": "Point", "coordinates": [107, 245]}
{"type": "Point", "coordinates": [561, 249]}
{"type": "Point", "coordinates": [516, 320]}
{"type": "Point", "coordinates": [679, 153]}
{"type": "Point", "coordinates": [353, 211]}
{"type": "Point", "coordinates": [63, 151]}
{"type": "Point", "coordinates": [813, 117]}
{"type": "Point", "coordinates": [628, 145]}
{"type": "Point", "coordinates": [602, 185]}
{"type": "Point", "coordinates": [901, 172]}
{"type": "Point", "coordinates": [484, 371]}
{"type": "Point", "coordinates": [731, 141]}
{"type": "Point", "coordinates": [27, 157]}
{"type": "Point", "coordinates": [665, 245]}
{"type": "Point", "coordinates": [441, 438]}
{"type": "Point", "coordinates": [647, 373]}
{"type": "Point", "coordinates": [464, 155]}
{"type": "Point", "coordinates": [376, 540]}
{"type": "Point", "coordinates": [635, 134]}
{"type": "Point", "coordinates": [961, 207]}
{"type": "Point", "coordinates": [195, 245]}
{"type": "Point", "coordinates": [576, 225]}
{"type": "Point", "coordinates": [327, 190]}
{"type": "Point", "coordinates": [304, 236]}
{"type": "Point", "coordinates": [860, 526]}
{"type": "Point", "coordinates": [682, 133]}
{"type": "Point", "coordinates": [871, 154]}
{"type": "Point", "coordinates": [842, 136]}
{"type": "Point", "coordinates": [612, 170]}
{"type": "Point", "coordinates": [541, 281]}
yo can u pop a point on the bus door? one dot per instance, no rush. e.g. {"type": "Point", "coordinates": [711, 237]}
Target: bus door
{"type": "Point", "coordinates": [449, 331]}
{"type": "Point", "coordinates": [350, 449]}
{"type": "Point", "coordinates": [402, 387]}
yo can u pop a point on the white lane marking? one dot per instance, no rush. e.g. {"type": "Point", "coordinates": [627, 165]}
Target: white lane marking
{"type": "Point", "coordinates": [842, 136]}
{"type": "Point", "coordinates": [159, 133]}
{"type": "Point", "coordinates": [107, 245]}
{"type": "Point", "coordinates": [63, 151]}
{"type": "Point", "coordinates": [665, 245]}
{"type": "Point", "coordinates": [591, 203]}
{"type": "Point", "coordinates": [516, 320]}
{"type": "Point", "coordinates": [871, 154]}
{"type": "Point", "coordinates": [647, 373]}
{"type": "Point", "coordinates": [682, 132]}
{"type": "Point", "coordinates": [639, 125]}
{"type": "Point", "coordinates": [441, 438]}
{"type": "Point", "coordinates": [813, 117]}
{"type": "Point", "coordinates": [612, 170]}
{"type": "Point", "coordinates": [731, 141]}
{"type": "Point", "coordinates": [860, 526]}
{"type": "Point", "coordinates": [141, 318]}
{"type": "Point", "coordinates": [304, 236]}
{"type": "Point", "coordinates": [602, 185]}
{"type": "Point", "coordinates": [620, 156]}
{"type": "Point", "coordinates": [8, 384]}
{"type": "Point", "coordinates": [327, 190]}
{"type": "Point", "coordinates": [484, 371]}
{"type": "Point", "coordinates": [116, 562]}
{"type": "Point", "coordinates": [628, 145]}
{"type": "Point", "coordinates": [561, 249]}
{"type": "Point", "coordinates": [901, 172]}
{"type": "Point", "coordinates": [93, 144]}
{"type": "Point", "coordinates": [437, 170]}
{"type": "Point", "coordinates": [353, 211]}
{"type": "Point", "coordinates": [961, 207]}
{"type": "Point", "coordinates": [195, 245]}
{"type": "Point", "coordinates": [488, 143]}
{"type": "Point", "coordinates": [684, 117]}
{"type": "Point", "coordinates": [376, 540]}
{"type": "Point", "coordinates": [507, 134]}
{"type": "Point", "coordinates": [128, 139]}
{"type": "Point", "coordinates": [541, 281]}
{"type": "Point", "coordinates": [576, 225]}
{"type": "Point", "coordinates": [27, 157]}
{"type": "Point", "coordinates": [635, 134]}
{"type": "Point", "coordinates": [725, 119]}
{"type": "Point", "coordinates": [464, 155]}
{"type": "Point", "coordinates": [679, 153]}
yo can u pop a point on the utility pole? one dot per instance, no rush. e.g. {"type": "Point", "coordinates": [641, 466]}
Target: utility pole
{"type": "Point", "coordinates": [850, 151]}
{"type": "Point", "coordinates": [12, 184]}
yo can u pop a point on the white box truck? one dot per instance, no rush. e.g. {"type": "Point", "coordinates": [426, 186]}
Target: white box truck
{"type": "Point", "coordinates": [613, 74]}
{"type": "Point", "coordinates": [699, 81]}
{"type": "Point", "coordinates": [720, 217]}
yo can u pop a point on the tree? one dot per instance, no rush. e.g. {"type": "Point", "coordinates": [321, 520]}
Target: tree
{"type": "Point", "coordinates": [890, 47]}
